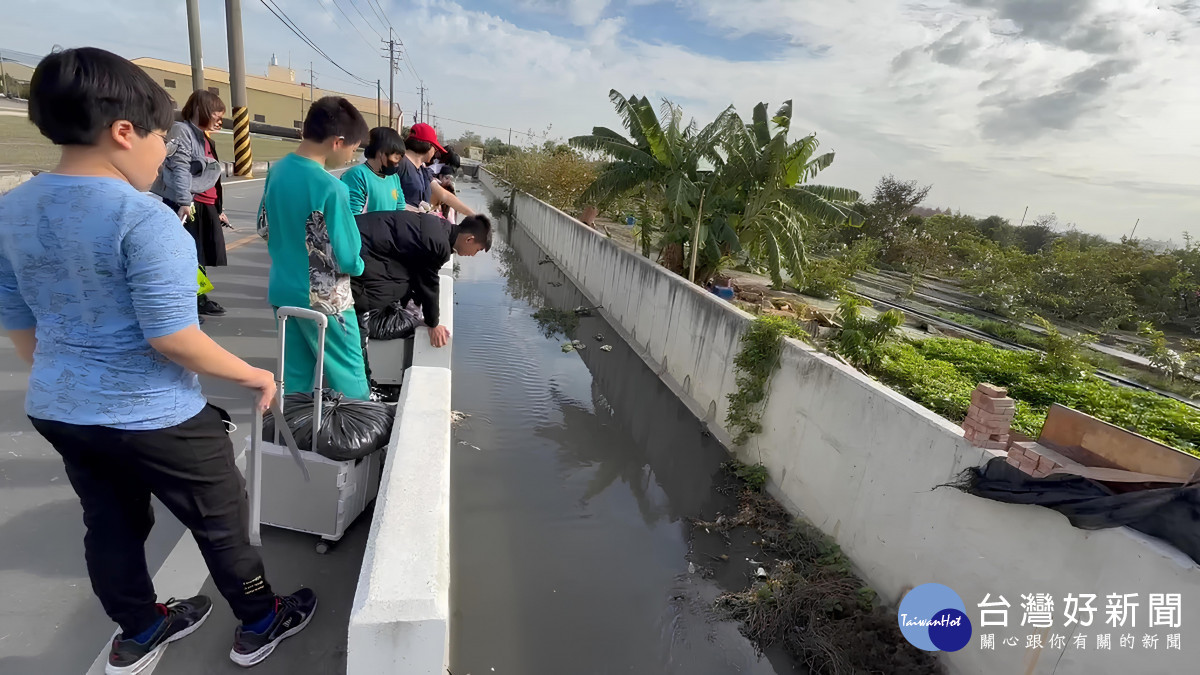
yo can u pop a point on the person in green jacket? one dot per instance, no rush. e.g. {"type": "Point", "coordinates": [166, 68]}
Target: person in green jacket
{"type": "Point", "coordinates": [374, 185]}
{"type": "Point", "coordinates": [314, 246]}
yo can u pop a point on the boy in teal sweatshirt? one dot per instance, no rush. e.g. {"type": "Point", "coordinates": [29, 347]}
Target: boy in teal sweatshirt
{"type": "Point", "coordinates": [314, 246]}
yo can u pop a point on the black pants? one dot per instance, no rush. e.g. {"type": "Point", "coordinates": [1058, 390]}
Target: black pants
{"type": "Point", "coordinates": [190, 468]}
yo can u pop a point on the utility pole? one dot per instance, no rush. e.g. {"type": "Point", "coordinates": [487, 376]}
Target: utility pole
{"type": "Point", "coordinates": [391, 45]}
{"type": "Point", "coordinates": [1023, 216]}
{"type": "Point", "coordinates": [378, 103]}
{"type": "Point", "coordinates": [1139, 220]}
{"type": "Point", "coordinates": [193, 19]}
{"type": "Point", "coordinates": [421, 108]}
{"type": "Point", "coordinates": [510, 137]}
{"type": "Point", "coordinates": [243, 161]}
{"type": "Point", "coordinates": [312, 85]}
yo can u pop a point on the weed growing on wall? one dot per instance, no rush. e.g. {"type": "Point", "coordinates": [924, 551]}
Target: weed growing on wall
{"type": "Point", "coordinates": [754, 475]}
{"type": "Point", "coordinates": [762, 344]}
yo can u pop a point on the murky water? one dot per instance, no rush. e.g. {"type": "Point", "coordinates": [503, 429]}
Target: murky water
{"type": "Point", "coordinates": [574, 477]}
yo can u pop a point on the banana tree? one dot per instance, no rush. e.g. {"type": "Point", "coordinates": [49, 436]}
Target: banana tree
{"type": "Point", "coordinates": [663, 157]}
{"type": "Point", "coordinates": [767, 178]}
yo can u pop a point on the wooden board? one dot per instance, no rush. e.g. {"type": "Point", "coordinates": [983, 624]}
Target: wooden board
{"type": "Point", "coordinates": [1095, 443]}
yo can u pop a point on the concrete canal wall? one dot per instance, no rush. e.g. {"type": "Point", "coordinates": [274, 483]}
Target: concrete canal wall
{"type": "Point", "coordinates": [864, 464]}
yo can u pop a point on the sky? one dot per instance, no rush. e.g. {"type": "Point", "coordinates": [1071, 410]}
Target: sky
{"type": "Point", "coordinates": [1086, 109]}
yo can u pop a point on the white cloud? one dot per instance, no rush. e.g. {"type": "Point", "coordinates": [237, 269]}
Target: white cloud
{"type": "Point", "coordinates": [580, 12]}
{"type": "Point", "coordinates": [1086, 108]}
{"type": "Point", "coordinates": [606, 31]}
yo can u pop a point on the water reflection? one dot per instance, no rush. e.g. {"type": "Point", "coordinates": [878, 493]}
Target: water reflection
{"type": "Point", "coordinates": [572, 490]}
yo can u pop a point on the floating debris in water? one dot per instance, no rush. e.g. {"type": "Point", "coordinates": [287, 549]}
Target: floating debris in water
{"type": "Point", "coordinates": [545, 260]}
{"type": "Point", "coordinates": [584, 311]}
{"type": "Point", "coordinates": [457, 417]}
{"type": "Point", "coordinates": [568, 347]}
{"type": "Point", "coordinates": [606, 348]}
{"type": "Point", "coordinates": [473, 447]}
{"type": "Point", "coordinates": [691, 568]}
{"type": "Point", "coordinates": [578, 344]}
{"type": "Point", "coordinates": [555, 284]}
{"type": "Point", "coordinates": [599, 337]}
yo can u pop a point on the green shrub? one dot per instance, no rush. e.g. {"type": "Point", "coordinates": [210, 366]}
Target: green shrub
{"type": "Point", "coordinates": [755, 475]}
{"type": "Point", "coordinates": [761, 345]}
{"type": "Point", "coordinates": [940, 373]}
{"type": "Point", "coordinates": [824, 279]}
{"type": "Point", "coordinates": [1062, 353]}
{"type": "Point", "coordinates": [861, 339]}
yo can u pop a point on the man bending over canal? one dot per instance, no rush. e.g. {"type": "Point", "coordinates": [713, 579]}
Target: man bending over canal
{"type": "Point", "coordinates": [403, 253]}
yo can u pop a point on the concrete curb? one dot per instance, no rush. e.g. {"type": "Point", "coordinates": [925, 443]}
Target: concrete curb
{"type": "Point", "coordinates": [400, 621]}
{"type": "Point", "coordinates": [11, 179]}
{"type": "Point", "coordinates": [259, 169]}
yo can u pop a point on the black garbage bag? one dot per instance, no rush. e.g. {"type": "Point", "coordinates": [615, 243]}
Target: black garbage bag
{"type": "Point", "coordinates": [350, 428]}
{"type": "Point", "coordinates": [1169, 513]}
{"type": "Point", "coordinates": [391, 323]}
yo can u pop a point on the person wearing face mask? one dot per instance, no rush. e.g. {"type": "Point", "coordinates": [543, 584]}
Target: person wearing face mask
{"type": "Point", "coordinates": [374, 185]}
{"type": "Point", "coordinates": [189, 182]}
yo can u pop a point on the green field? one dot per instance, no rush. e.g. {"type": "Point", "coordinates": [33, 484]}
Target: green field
{"type": "Point", "coordinates": [23, 147]}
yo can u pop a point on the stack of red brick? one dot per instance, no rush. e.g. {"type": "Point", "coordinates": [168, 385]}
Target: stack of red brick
{"type": "Point", "coordinates": [990, 417]}
{"type": "Point", "coordinates": [1036, 460]}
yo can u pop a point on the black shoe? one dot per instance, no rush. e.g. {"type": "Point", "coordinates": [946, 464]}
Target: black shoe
{"type": "Point", "coordinates": [292, 614]}
{"type": "Point", "coordinates": [183, 617]}
{"type": "Point", "coordinates": [210, 307]}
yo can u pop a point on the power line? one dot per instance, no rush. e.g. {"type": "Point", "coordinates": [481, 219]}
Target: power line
{"type": "Point", "coordinates": [486, 126]}
{"type": "Point", "coordinates": [287, 21]}
{"type": "Point", "coordinates": [365, 19]}
{"type": "Point", "coordinates": [383, 13]}
{"type": "Point", "coordinates": [338, 79]}
{"type": "Point", "coordinates": [382, 17]}
{"type": "Point", "coordinates": [356, 30]}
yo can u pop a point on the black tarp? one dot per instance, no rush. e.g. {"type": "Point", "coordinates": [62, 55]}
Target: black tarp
{"type": "Point", "coordinates": [1170, 513]}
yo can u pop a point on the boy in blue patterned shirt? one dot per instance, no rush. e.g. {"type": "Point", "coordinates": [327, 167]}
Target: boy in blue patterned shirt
{"type": "Point", "coordinates": [98, 294]}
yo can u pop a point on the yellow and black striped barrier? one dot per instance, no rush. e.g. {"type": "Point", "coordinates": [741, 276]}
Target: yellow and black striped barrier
{"type": "Point", "coordinates": [242, 158]}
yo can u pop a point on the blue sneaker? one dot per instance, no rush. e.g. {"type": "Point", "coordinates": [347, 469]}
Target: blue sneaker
{"type": "Point", "coordinates": [292, 614]}
{"type": "Point", "coordinates": [182, 618]}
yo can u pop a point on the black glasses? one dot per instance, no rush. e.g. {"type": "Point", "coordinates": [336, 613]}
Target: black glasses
{"type": "Point", "coordinates": [171, 145]}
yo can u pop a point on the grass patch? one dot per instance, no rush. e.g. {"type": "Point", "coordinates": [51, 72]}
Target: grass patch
{"type": "Point", "coordinates": [22, 146]}
{"type": "Point", "coordinates": [811, 603]}
{"type": "Point", "coordinates": [1099, 360]}
{"type": "Point", "coordinates": [262, 148]}
{"type": "Point", "coordinates": [1000, 329]}
{"type": "Point", "coordinates": [940, 374]}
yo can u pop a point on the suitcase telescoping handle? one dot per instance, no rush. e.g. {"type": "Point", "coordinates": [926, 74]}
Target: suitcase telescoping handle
{"type": "Point", "coordinates": [322, 321]}
{"type": "Point", "coordinates": [283, 434]}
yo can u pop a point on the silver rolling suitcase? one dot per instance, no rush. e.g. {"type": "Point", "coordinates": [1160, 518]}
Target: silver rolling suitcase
{"type": "Point", "coordinates": [324, 496]}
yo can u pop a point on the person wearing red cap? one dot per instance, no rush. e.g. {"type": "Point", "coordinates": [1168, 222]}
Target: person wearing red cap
{"type": "Point", "coordinates": [419, 187]}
